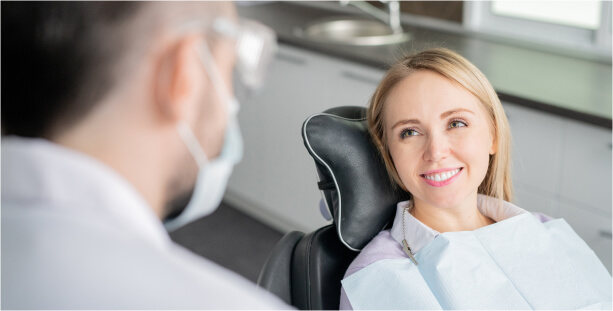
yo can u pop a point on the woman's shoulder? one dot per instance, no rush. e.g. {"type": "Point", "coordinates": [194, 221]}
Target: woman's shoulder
{"type": "Point", "coordinates": [491, 207]}
{"type": "Point", "coordinates": [382, 246]}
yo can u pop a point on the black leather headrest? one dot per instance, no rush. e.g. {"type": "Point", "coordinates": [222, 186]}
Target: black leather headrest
{"type": "Point", "coordinates": [352, 176]}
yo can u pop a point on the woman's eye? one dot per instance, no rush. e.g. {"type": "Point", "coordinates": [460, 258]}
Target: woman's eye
{"type": "Point", "coordinates": [454, 124]}
{"type": "Point", "coordinates": [408, 132]}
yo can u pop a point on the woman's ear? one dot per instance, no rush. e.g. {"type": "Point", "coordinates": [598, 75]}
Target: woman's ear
{"type": "Point", "coordinates": [179, 80]}
{"type": "Point", "coordinates": [494, 146]}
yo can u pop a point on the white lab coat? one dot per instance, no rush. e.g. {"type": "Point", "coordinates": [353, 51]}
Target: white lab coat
{"type": "Point", "coordinates": [76, 235]}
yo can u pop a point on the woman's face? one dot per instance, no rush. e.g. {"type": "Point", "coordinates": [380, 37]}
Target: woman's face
{"type": "Point", "coordinates": [439, 138]}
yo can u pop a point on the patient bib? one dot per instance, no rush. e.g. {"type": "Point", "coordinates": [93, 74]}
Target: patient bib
{"type": "Point", "coordinates": [518, 263]}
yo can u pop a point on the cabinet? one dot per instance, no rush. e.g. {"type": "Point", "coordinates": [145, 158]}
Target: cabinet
{"type": "Point", "coordinates": [276, 180]}
{"type": "Point", "coordinates": [536, 139]}
{"type": "Point", "coordinates": [586, 166]}
{"type": "Point", "coordinates": [536, 143]}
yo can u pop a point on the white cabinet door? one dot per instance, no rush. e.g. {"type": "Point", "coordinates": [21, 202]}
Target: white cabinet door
{"type": "Point", "coordinates": [535, 201]}
{"type": "Point", "coordinates": [586, 167]}
{"type": "Point", "coordinates": [593, 228]}
{"type": "Point", "coordinates": [536, 145]}
{"type": "Point", "coordinates": [276, 181]}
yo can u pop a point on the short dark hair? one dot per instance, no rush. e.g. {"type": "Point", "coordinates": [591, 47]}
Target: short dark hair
{"type": "Point", "coordinates": [58, 60]}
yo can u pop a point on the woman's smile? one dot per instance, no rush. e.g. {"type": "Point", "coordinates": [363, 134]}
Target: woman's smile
{"type": "Point", "coordinates": [442, 177]}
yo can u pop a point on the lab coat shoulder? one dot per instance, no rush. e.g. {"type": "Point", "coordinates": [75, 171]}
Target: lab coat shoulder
{"type": "Point", "coordinates": [112, 268]}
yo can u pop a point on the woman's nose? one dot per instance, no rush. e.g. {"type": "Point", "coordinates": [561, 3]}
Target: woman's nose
{"type": "Point", "coordinates": [437, 148]}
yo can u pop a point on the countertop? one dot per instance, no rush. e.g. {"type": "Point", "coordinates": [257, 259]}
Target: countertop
{"type": "Point", "coordinates": [563, 85]}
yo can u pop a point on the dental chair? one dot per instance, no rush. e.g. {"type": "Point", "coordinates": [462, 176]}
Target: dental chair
{"type": "Point", "coordinates": [305, 270]}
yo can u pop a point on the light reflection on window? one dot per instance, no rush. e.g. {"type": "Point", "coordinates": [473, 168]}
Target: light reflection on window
{"type": "Point", "coordinates": [582, 14]}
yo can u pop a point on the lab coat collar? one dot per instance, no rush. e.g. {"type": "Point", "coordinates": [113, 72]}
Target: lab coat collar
{"type": "Point", "coordinates": [37, 172]}
{"type": "Point", "coordinates": [419, 235]}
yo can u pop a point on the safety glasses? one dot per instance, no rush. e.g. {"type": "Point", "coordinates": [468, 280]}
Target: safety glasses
{"type": "Point", "coordinates": [255, 48]}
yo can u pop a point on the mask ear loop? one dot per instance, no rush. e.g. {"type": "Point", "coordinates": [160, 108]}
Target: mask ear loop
{"type": "Point", "coordinates": [216, 79]}
{"type": "Point", "coordinates": [192, 144]}
{"type": "Point", "coordinates": [186, 134]}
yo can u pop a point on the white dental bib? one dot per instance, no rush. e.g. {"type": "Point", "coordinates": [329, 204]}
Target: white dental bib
{"type": "Point", "coordinates": [517, 263]}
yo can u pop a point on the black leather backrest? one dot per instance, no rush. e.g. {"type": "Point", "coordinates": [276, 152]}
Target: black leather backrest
{"type": "Point", "coordinates": [275, 276]}
{"type": "Point", "coordinates": [357, 189]}
{"type": "Point", "coordinates": [318, 266]}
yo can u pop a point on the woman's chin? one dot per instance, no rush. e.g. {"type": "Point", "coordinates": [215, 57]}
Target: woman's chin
{"type": "Point", "coordinates": [441, 201]}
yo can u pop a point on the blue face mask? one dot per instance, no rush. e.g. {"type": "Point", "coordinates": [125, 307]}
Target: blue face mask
{"type": "Point", "coordinates": [213, 174]}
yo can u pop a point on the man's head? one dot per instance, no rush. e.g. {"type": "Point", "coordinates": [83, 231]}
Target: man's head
{"type": "Point", "coordinates": [62, 59]}
{"type": "Point", "coordinates": [113, 79]}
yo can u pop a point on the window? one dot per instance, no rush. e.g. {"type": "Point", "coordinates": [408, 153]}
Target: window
{"type": "Point", "coordinates": [584, 14]}
{"type": "Point", "coordinates": [577, 25]}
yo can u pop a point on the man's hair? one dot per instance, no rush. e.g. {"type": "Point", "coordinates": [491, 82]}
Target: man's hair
{"type": "Point", "coordinates": [58, 60]}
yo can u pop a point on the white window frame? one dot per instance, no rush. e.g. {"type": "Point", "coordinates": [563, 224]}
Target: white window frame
{"type": "Point", "coordinates": [478, 17]}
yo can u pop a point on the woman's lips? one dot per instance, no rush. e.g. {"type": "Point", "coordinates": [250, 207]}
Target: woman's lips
{"type": "Point", "coordinates": [442, 177]}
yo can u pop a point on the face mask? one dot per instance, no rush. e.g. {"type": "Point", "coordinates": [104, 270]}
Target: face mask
{"type": "Point", "coordinates": [213, 174]}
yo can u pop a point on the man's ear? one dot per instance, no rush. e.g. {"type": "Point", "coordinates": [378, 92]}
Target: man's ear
{"type": "Point", "coordinates": [179, 80]}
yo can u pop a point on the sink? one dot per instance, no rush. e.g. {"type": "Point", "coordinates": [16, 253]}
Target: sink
{"type": "Point", "coordinates": [351, 31]}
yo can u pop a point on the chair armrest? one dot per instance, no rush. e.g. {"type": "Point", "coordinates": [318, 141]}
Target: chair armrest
{"type": "Point", "coordinates": [275, 276]}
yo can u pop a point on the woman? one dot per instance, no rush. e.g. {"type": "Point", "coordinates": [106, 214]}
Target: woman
{"type": "Point", "coordinates": [459, 243]}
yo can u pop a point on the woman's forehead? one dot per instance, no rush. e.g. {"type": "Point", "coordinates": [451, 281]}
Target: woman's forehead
{"type": "Point", "coordinates": [427, 95]}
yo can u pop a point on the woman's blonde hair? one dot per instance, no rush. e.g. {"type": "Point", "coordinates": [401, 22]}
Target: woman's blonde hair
{"type": "Point", "coordinates": [497, 182]}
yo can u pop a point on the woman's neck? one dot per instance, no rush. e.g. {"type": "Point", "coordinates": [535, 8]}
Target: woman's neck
{"type": "Point", "coordinates": [465, 217]}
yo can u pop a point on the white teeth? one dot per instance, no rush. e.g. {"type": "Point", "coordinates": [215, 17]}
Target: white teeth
{"type": "Point", "coordinates": [442, 176]}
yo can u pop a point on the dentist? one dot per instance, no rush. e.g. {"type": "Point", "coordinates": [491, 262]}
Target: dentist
{"type": "Point", "coordinates": [119, 119]}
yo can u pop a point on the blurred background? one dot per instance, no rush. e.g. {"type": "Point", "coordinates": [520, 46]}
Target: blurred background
{"type": "Point", "coordinates": [549, 61]}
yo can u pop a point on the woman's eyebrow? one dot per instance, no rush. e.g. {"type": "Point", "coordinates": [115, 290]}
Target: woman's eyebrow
{"type": "Point", "coordinates": [450, 112]}
{"type": "Point", "coordinates": [408, 121]}
{"type": "Point", "coordinates": [443, 116]}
